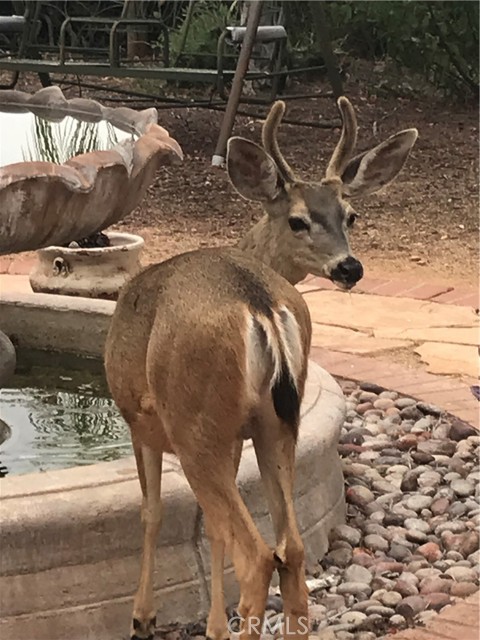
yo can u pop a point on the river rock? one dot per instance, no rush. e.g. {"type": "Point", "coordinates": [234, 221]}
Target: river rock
{"type": "Point", "coordinates": [400, 552]}
{"type": "Point", "coordinates": [429, 479]}
{"type": "Point", "coordinates": [405, 588]}
{"type": "Point", "coordinates": [430, 409]}
{"type": "Point", "coordinates": [401, 403]}
{"type": "Point", "coordinates": [359, 495]}
{"type": "Point", "coordinates": [357, 573]}
{"type": "Point", "coordinates": [339, 557]}
{"type": "Point", "coordinates": [430, 551]}
{"type": "Point", "coordinates": [370, 389]}
{"type": "Point", "coordinates": [435, 585]}
{"type": "Point", "coordinates": [460, 430]}
{"type": "Point", "coordinates": [332, 602]}
{"type": "Point", "coordinates": [347, 533]}
{"type": "Point", "coordinates": [437, 601]}
{"type": "Point", "coordinates": [421, 457]}
{"type": "Point", "coordinates": [418, 502]}
{"type": "Point", "coordinates": [415, 535]}
{"type": "Point", "coordinates": [390, 598]}
{"type": "Point", "coordinates": [462, 574]}
{"type": "Point", "coordinates": [463, 488]}
{"type": "Point", "coordinates": [383, 403]}
{"type": "Point", "coordinates": [440, 506]}
{"type": "Point", "coordinates": [411, 606]}
{"type": "Point", "coordinates": [354, 588]}
{"type": "Point", "coordinates": [363, 407]}
{"type": "Point", "coordinates": [398, 621]}
{"type": "Point", "coordinates": [380, 610]}
{"type": "Point", "coordinates": [411, 413]}
{"type": "Point", "coordinates": [437, 447]}
{"type": "Point", "coordinates": [375, 542]}
{"type": "Point", "coordinates": [409, 481]}
{"type": "Point", "coordinates": [470, 543]}
{"type": "Point", "coordinates": [353, 618]}
{"type": "Point", "coordinates": [463, 589]}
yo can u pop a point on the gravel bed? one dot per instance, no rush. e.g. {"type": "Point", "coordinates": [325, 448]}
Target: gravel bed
{"type": "Point", "coordinates": [411, 541]}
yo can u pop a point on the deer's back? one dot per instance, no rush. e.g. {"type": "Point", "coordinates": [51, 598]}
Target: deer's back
{"type": "Point", "coordinates": [179, 328]}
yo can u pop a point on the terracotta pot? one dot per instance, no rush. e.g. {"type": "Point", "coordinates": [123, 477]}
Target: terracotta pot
{"type": "Point", "coordinates": [89, 273]}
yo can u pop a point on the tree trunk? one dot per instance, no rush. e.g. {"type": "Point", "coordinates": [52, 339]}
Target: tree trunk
{"type": "Point", "coordinates": [138, 45]}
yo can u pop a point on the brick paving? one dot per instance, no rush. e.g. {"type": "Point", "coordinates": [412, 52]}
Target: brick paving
{"type": "Point", "coordinates": [436, 292]}
{"type": "Point", "coordinates": [461, 297]}
{"type": "Point", "coordinates": [17, 265]}
{"type": "Point", "coordinates": [458, 622]}
{"type": "Point", "coordinates": [452, 394]}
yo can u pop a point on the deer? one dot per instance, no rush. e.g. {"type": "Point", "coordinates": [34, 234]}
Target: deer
{"type": "Point", "coordinates": [210, 348]}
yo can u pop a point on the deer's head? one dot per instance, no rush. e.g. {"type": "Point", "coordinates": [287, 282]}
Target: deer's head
{"type": "Point", "coordinates": [310, 220]}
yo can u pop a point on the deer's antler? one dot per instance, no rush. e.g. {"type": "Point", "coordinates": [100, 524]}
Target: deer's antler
{"type": "Point", "coordinates": [269, 140]}
{"type": "Point", "coordinates": [348, 139]}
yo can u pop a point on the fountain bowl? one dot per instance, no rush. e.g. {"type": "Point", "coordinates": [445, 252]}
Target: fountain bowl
{"type": "Point", "coordinates": [49, 197]}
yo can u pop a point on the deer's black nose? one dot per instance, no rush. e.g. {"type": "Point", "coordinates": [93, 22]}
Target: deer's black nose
{"type": "Point", "coordinates": [349, 271]}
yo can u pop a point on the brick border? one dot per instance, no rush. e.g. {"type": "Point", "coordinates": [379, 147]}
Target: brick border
{"type": "Point", "coordinates": [451, 394]}
{"type": "Point", "coordinates": [461, 620]}
{"type": "Point", "coordinates": [434, 292]}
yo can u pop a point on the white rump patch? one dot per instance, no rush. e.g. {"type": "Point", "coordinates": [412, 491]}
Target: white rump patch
{"type": "Point", "coordinates": [291, 340]}
{"type": "Point", "coordinates": [265, 343]}
{"type": "Point", "coordinates": [263, 356]}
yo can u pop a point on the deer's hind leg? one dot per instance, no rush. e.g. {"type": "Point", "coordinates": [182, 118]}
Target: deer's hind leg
{"type": "Point", "coordinates": [217, 623]}
{"type": "Point", "coordinates": [210, 470]}
{"type": "Point", "coordinates": [274, 443]}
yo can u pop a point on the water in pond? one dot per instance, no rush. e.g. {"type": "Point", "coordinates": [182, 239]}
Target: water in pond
{"type": "Point", "coordinates": [61, 415]}
{"type": "Point", "coordinates": [27, 137]}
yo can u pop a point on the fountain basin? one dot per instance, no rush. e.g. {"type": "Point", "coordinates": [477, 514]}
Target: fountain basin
{"type": "Point", "coordinates": [63, 415]}
{"type": "Point", "coordinates": [90, 273]}
{"type": "Point", "coordinates": [71, 538]}
{"type": "Point", "coordinates": [70, 168]}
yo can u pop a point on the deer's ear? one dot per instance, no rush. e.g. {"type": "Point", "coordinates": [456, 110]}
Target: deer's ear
{"type": "Point", "coordinates": [252, 171]}
{"type": "Point", "coordinates": [370, 171]}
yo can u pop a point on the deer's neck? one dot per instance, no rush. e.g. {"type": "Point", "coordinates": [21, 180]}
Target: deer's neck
{"type": "Point", "coordinates": [264, 242]}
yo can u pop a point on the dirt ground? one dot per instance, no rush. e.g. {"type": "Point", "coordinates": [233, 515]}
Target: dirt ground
{"type": "Point", "coordinates": [424, 225]}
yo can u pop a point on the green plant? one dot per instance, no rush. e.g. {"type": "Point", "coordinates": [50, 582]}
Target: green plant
{"type": "Point", "coordinates": [438, 40]}
{"type": "Point", "coordinates": [194, 43]}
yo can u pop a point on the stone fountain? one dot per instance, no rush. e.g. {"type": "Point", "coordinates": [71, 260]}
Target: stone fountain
{"type": "Point", "coordinates": [68, 170]}
{"type": "Point", "coordinates": [71, 537]}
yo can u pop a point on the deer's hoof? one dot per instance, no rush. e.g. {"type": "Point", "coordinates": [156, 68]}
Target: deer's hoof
{"type": "Point", "coordinates": [143, 629]}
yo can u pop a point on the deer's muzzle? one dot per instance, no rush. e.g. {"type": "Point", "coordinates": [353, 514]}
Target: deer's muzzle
{"type": "Point", "coordinates": [347, 272]}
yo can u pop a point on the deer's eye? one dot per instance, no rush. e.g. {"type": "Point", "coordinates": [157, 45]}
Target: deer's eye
{"type": "Point", "coordinates": [351, 219]}
{"type": "Point", "coordinates": [298, 224]}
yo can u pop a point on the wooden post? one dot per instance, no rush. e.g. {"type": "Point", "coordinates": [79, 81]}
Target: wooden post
{"type": "Point", "coordinates": [218, 159]}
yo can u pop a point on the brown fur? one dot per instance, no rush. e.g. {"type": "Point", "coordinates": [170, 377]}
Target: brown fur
{"type": "Point", "coordinates": [199, 345]}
